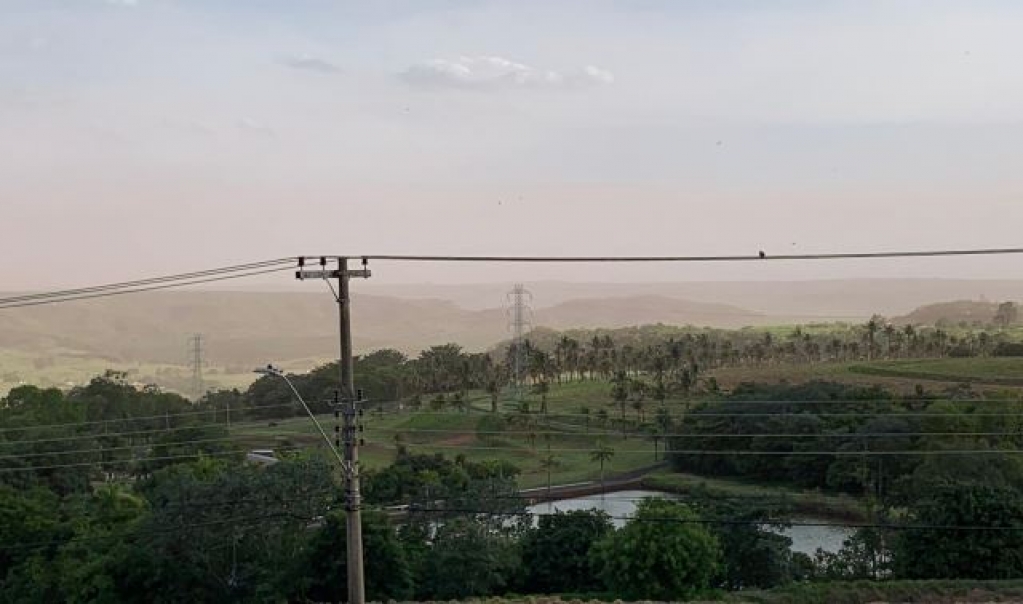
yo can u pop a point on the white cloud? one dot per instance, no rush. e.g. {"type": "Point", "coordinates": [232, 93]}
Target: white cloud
{"type": "Point", "coordinates": [310, 63]}
{"type": "Point", "coordinates": [488, 72]}
{"type": "Point", "coordinates": [122, 2]}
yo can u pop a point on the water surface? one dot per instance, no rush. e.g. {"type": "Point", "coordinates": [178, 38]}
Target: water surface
{"type": "Point", "coordinates": [622, 505]}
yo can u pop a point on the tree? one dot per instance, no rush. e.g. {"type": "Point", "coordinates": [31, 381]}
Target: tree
{"type": "Point", "coordinates": [1006, 314]}
{"type": "Point", "coordinates": [25, 517]}
{"type": "Point", "coordinates": [620, 393]}
{"type": "Point", "coordinates": [555, 555]}
{"type": "Point", "coordinates": [319, 574]}
{"type": "Point", "coordinates": [661, 554]}
{"type": "Point", "coordinates": [602, 454]}
{"type": "Point", "coordinates": [218, 532]}
{"type": "Point", "coordinates": [996, 553]}
{"type": "Point", "coordinates": [872, 326]}
{"type": "Point", "coordinates": [549, 462]}
{"type": "Point", "coordinates": [467, 558]}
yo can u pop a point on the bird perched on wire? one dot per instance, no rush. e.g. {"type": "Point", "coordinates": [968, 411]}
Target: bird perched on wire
{"type": "Point", "coordinates": [762, 254]}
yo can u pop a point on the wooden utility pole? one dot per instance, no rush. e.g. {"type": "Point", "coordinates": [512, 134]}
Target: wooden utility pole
{"type": "Point", "coordinates": [349, 412]}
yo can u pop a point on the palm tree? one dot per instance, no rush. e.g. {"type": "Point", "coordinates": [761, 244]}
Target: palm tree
{"type": "Point", "coordinates": [542, 387]}
{"type": "Point", "coordinates": [548, 462]}
{"type": "Point", "coordinates": [620, 393]}
{"type": "Point", "coordinates": [639, 406]}
{"type": "Point", "coordinates": [873, 325]}
{"type": "Point", "coordinates": [586, 416]}
{"type": "Point", "coordinates": [459, 403]}
{"type": "Point", "coordinates": [889, 334]}
{"type": "Point", "coordinates": [602, 454]}
{"type": "Point", "coordinates": [656, 435]}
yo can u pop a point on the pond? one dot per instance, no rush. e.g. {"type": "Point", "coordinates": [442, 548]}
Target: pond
{"type": "Point", "coordinates": [622, 505]}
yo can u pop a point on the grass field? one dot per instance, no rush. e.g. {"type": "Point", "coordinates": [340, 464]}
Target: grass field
{"type": "Point", "coordinates": [572, 435]}
{"type": "Point", "coordinates": [901, 375]}
{"type": "Point", "coordinates": [452, 433]}
{"type": "Point", "coordinates": [985, 370]}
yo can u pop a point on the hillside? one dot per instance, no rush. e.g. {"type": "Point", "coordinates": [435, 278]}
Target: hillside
{"type": "Point", "coordinates": [959, 311]}
{"type": "Point", "coordinates": [246, 328]}
{"type": "Point", "coordinates": [642, 310]}
{"type": "Point", "coordinates": [799, 301]}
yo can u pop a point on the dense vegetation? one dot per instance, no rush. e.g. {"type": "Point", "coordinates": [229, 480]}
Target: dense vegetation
{"type": "Point", "coordinates": [114, 493]}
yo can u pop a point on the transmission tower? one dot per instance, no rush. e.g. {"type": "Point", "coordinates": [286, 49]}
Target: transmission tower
{"type": "Point", "coordinates": [520, 322]}
{"type": "Point", "coordinates": [196, 360]}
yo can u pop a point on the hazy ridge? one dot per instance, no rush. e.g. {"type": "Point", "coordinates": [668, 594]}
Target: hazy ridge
{"type": "Point", "coordinates": [245, 327]}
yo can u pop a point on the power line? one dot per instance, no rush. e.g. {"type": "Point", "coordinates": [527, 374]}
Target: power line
{"type": "Point", "coordinates": [739, 452]}
{"type": "Point", "coordinates": [249, 437]}
{"type": "Point", "coordinates": [738, 414]}
{"type": "Point", "coordinates": [689, 435]}
{"type": "Point", "coordinates": [125, 535]}
{"type": "Point", "coordinates": [147, 281]}
{"type": "Point", "coordinates": [117, 292]}
{"type": "Point", "coordinates": [756, 257]}
{"type": "Point", "coordinates": [133, 419]}
{"type": "Point", "coordinates": [168, 444]}
{"type": "Point", "coordinates": [722, 521]}
{"type": "Point", "coordinates": [694, 434]}
{"type": "Point", "coordinates": [131, 461]}
{"type": "Point", "coordinates": [98, 435]}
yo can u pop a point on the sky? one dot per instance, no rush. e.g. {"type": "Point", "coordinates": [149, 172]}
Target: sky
{"type": "Point", "coordinates": [146, 137]}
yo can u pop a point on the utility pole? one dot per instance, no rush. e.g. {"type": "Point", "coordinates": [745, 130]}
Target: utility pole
{"type": "Point", "coordinates": [519, 321]}
{"type": "Point", "coordinates": [195, 350]}
{"type": "Point", "coordinates": [349, 412]}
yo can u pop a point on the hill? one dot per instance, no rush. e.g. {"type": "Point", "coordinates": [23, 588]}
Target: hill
{"type": "Point", "coordinates": [785, 301]}
{"type": "Point", "coordinates": [643, 310]}
{"type": "Point", "coordinates": [246, 328]}
{"type": "Point", "coordinates": [971, 312]}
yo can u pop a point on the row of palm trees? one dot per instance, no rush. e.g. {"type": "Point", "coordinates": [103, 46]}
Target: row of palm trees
{"type": "Point", "coordinates": [671, 363]}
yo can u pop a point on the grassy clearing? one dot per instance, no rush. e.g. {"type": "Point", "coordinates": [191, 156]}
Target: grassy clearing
{"type": "Point", "coordinates": [900, 375]}
{"type": "Point", "coordinates": [453, 433]}
{"type": "Point", "coordinates": [985, 370]}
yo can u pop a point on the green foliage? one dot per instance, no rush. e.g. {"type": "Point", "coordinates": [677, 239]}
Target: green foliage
{"type": "Point", "coordinates": [26, 517]}
{"type": "Point", "coordinates": [219, 532]}
{"type": "Point", "coordinates": [320, 572]}
{"type": "Point", "coordinates": [865, 555]}
{"type": "Point", "coordinates": [996, 553]}
{"type": "Point", "coordinates": [555, 555]}
{"type": "Point", "coordinates": [751, 555]}
{"type": "Point", "coordinates": [63, 441]}
{"type": "Point", "coordinates": [422, 479]}
{"type": "Point", "coordinates": [468, 558]}
{"type": "Point", "coordinates": [491, 427]}
{"type": "Point", "coordinates": [828, 416]}
{"type": "Point", "coordinates": [661, 554]}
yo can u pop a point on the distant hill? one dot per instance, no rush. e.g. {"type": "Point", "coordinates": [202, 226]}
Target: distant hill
{"type": "Point", "coordinates": [971, 312]}
{"type": "Point", "coordinates": [643, 310]}
{"type": "Point", "coordinates": [243, 328]}
{"type": "Point", "coordinates": [791, 301]}
{"type": "Point", "coordinates": [248, 328]}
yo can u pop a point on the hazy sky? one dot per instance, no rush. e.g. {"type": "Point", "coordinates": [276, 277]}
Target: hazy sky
{"type": "Point", "coordinates": [142, 137]}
